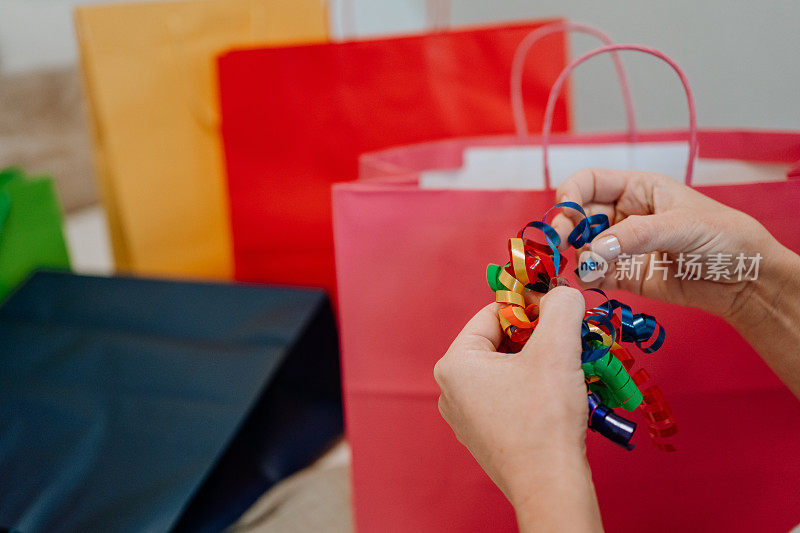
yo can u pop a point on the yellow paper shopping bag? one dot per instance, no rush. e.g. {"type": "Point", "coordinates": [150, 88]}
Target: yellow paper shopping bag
{"type": "Point", "coordinates": [150, 80]}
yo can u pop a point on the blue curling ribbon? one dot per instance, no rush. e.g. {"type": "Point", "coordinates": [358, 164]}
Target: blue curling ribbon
{"type": "Point", "coordinates": [605, 421]}
{"type": "Point", "coordinates": [553, 239]}
{"type": "Point", "coordinates": [550, 235]}
{"type": "Point", "coordinates": [638, 328]}
{"type": "Point", "coordinates": [587, 229]}
{"type": "Point", "coordinates": [590, 353]}
{"type": "Point", "coordinates": [645, 326]}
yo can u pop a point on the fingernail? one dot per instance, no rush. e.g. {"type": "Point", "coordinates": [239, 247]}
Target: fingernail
{"type": "Point", "coordinates": [607, 247]}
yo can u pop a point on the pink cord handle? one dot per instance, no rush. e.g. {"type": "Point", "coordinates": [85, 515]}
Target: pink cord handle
{"type": "Point", "coordinates": [558, 85]}
{"type": "Point", "coordinates": [437, 14]}
{"type": "Point", "coordinates": [518, 68]}
{"type": "Point", "coordinates": [348, 14]}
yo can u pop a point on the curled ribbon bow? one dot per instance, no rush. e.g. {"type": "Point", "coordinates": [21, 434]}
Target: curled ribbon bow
{"type": "Point", "coordinates": [537, 267]}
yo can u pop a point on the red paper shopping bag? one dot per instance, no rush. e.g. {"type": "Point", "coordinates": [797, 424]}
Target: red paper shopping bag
{"type": "Point", "coordinates": [410, 267]}
{"type": "Point", "coordinates": [295, 120]}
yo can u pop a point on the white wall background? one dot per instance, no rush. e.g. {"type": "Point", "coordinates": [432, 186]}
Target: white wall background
{"type": "Point", "coordinates": [742, 56]}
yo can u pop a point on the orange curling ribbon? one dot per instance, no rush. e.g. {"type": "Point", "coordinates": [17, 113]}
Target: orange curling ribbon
{"type": "Point", "coordinates": [515, 317]}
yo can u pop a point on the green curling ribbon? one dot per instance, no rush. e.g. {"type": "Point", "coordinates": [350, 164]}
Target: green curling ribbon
{"type": "Point", "coordinates": [616, 388]}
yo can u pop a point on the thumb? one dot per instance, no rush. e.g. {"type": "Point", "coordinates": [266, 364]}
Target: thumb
{"type": "Point", "coordinates": [641, 234]}
{"type": "Point", "coordinates": [558, 332]}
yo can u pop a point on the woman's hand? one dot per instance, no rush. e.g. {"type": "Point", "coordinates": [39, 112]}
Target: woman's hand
{"type": "Point", "coordinates": [653, 215]}
{"type": "Point", "coordinates": [665, 227]}
{"type": "Point", "coordinates": [523, 416]}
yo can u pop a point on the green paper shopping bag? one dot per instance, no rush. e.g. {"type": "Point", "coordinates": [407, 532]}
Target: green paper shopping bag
{"type": "Point", "coordinates": [31, 233]}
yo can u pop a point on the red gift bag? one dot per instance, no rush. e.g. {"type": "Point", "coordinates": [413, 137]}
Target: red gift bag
{"type": "Point", "coordinates": [295, 120]}
{"type": "Point", "coordinates": [410, 266]}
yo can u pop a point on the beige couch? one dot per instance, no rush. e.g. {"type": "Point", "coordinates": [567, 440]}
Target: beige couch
{"type": "Point", "coordinates": [43, 128]}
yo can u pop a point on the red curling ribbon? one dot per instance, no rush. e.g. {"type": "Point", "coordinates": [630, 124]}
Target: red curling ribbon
{"type": "Point", "coordinates": [625, 358]}
{"type": "Point", "coordinates": [640, 377]}
{"type": "Point", "coordinates": [660, 420]}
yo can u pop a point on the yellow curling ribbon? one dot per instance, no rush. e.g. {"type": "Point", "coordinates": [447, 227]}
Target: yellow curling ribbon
{"type": "Point", "coordinates": [510, 282]}
{"type": "Point", "coordinates": [605, 336]}
{"type": "Point", "coordinates": [510, 297]}
{"type": "Point", "coordinates": [524, 321]}
{"type": "Point", "coordinates": [517, 249]}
